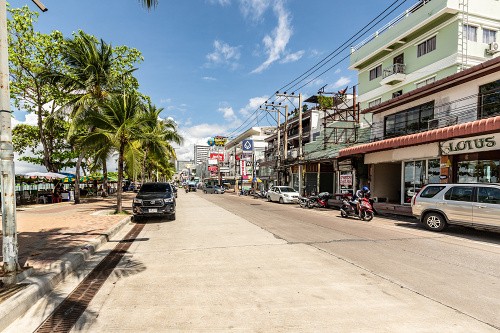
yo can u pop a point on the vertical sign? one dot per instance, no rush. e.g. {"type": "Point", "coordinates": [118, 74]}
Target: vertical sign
{"type": "Point", "coordinates": [243, 168]}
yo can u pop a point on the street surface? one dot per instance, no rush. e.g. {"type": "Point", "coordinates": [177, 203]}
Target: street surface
{"type": "Point", "coordinates": [231, 263]}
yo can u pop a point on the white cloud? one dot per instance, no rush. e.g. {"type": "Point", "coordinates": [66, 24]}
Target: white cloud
{"type": "Point", "coordinates": [224, 54]}
{"type": "Point", "coordinates": [338, 70]}
{"type": "Point", "coordinates": [227, 113]}
{"type": "Point", "coordinates": [275, 44]}
{"type": "Point", "coordinates": [209, 78]}
{"type": "Point", "coordinates": [220, 2]}
{"type": "Point", "coordinates": [165, 100]}
{"type": "Point", "coordinates": [253, 104]}
{"type": "Point", "coordinates": [292, 57]}
{"type": "Point", "coordinates": [254, 9]}
{"type": "Point", "coordinates": [343, 81]}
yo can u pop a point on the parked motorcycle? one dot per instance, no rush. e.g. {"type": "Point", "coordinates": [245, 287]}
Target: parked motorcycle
{"type": "Point", "coordinates": [349, 208]}
{"type": "Point", "coordinates": [320, 200]}
{"type": "Point", "coordinates": [303, 202]}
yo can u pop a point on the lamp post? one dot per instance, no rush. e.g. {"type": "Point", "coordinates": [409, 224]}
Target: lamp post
{"type": "Point", "coordinates": [7, 175]}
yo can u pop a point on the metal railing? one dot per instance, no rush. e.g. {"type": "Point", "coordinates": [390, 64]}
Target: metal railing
{"type": "Point", "coordinates": [389, 25]}
{"type": "Point", "coordinates": [394, 69]}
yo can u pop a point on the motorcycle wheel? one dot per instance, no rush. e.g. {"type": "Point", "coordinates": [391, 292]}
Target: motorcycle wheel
{"type": "Point", "coordinates": [343, 213]}
{"type": "Point", "coordinates": [310, 205]}
{"type": "Point", "coordinates": [367, 216]}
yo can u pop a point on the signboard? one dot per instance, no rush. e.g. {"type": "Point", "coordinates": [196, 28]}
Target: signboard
{"type": "Point", "coordinates": [470, 145]}
{"type": "Point", "coordinates": [217, 156]}
{"type": "Point", "coordinates": [346, 180]}
{"type": "Point", "coordinates": [224, 169]}
{"type": "Point", "coordinates": [212, 162]}
{"type": "Point", "coordinates": [243, 168]}
{"type": "Point", "coordinates": [212, 168]}
{"type": "Point", "coordinates": [217, 141]}
{"type": "Point", "coordinates": [247, 145]}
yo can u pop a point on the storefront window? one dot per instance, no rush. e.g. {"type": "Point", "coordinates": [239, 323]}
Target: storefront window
{"type": "Point", "coordinates": [483, 171]}
{"type": "Point", "coordinates": [489, 100]}
{"type": "Point", "coordinates": [417, 174]}
{"type": "Point", "coordinates": [409, 121]}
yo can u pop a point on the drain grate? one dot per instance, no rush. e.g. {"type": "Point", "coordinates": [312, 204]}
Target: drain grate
{"type": "Point", "coordinates": [67, 313]}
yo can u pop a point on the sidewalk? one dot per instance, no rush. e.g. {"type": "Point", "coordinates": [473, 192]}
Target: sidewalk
{"type": "Point", "coordinates": [55, 238]}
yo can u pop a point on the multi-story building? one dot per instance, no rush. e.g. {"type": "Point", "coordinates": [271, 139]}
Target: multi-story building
{"type": "Point", "coordinates": [201, 153]}
{"type": "Point", "coordinates": [430, 83]}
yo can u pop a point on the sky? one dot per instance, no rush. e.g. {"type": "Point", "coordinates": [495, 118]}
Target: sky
{"type": "Point", "coordinates": [210, 64]}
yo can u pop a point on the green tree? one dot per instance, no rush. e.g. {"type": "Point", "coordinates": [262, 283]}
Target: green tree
{"type": "Point", "coordinates": [120, 122]}
{"type": "Point", "coordinates": [31, 56]}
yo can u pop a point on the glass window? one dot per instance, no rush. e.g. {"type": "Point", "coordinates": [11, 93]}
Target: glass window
{"type": "Point", "coordinates": [426, 47]}
{"type": "Point", "coordinates": [483, 171]}
{"type": "Point", "coordinates": [409, 121]}
{"type": "Point", "coordinates": [376, 72]}
{"type": "Point", "coordinates": [489, 195]}
{"type": "Point", "coordinates": [470, 33]}
{"type": "Point", "coordinates": [489, 36]}
{"type": "Point", "coordinates": [431, 191]}
{"type": "Point", "coordinates": [459, 193]}
{"type": "Point", "coordinates": [434, 171]}
{"type": "Point", "coordinates": [374, 103]}
{"type": "Point", "coordinates": [389, 125]}
{"type": "Point", "coordinates": [414, 176]}
{"type": "Point", "coordinates": [489, 100]}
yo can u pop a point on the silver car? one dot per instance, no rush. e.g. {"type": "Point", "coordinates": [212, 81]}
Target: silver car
{"type": "Point", "coordinates": [471, 205]}
{"type": "Point", "coordinates": [283, 194]}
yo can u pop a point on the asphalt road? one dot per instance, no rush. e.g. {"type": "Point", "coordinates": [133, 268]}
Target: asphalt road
{"type": "Point", "coordinates": [231, 263]}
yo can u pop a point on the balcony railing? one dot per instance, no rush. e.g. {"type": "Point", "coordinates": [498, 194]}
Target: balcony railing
{"type": "Point", "coordinates": [394, 69]}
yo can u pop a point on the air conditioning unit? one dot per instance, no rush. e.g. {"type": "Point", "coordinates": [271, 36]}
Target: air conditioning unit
{"type": "Point", "coordinates": [432, 124]}
{"type": "Point", "coordinates": [493, 48]}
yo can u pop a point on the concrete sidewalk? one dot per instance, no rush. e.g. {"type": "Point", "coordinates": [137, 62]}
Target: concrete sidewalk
{"type": "Point", "coordinates": [54, 239]}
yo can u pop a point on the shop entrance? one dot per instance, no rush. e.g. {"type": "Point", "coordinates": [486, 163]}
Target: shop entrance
{"type": "Point", "coordinates": [416, 174]}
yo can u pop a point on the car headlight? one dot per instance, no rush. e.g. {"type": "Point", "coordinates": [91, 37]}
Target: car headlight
{"type": "Point", "coordinates": [137, 201]}
{"type": "Point", "coordinates": [168, 200]}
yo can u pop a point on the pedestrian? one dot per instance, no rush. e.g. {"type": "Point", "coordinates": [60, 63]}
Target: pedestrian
{"type": "Point", "coordinates": [56, 194]}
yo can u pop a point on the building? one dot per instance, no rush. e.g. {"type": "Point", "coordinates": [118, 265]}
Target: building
{"type": "Point", "coordinates": [201, 153]}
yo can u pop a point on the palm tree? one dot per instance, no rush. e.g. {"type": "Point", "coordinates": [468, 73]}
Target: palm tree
{"type": "Point", "coordinates": [90, 77]}
{"type": "Point", "coordinates": [158, 136]}
{"type": "Point", "coordinates": [119, 122]}
{"type": "Point", "coordinates": [150, 3]}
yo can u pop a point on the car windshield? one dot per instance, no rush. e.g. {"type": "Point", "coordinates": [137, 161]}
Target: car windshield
{"type": "Point", "coordinates": [154, 187]}
{"type": "Point", "coordinates": [287, 189]}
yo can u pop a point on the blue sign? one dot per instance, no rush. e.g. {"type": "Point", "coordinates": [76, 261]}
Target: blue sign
{"type": "Point", "coordinates": [247, 145]}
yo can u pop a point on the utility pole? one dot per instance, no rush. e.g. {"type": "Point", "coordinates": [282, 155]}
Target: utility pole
{"type": "Point", "coordinates": [300, 157]}
{"type": "Point", "coordinates": [7, 174]}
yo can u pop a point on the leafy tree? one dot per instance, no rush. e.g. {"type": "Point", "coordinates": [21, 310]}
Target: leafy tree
{"type": "Point", "coordinates": [31, 56]}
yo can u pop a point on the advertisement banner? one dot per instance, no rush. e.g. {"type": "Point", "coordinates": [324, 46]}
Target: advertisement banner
{"type": "Point", "coordinates": [212, 168]}
{"type": "Point", "coordinates": [217, 156]}
{"type": "Point", "coordinates": [243, 168]}
{"type": "Point", "coordinates": [346, 180]}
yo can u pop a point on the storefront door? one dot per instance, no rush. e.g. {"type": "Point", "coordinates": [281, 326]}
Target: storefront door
{"type": "Point", "coordinates": [416, 174]}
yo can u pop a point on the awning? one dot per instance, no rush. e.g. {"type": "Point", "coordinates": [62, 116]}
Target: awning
{"type": "Point", "coordinates": [483, 126]}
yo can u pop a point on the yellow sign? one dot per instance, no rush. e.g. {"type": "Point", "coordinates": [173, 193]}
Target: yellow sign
{"type": "Point", "coordinates": [220, 140]}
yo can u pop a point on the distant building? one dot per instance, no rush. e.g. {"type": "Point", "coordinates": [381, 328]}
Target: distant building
{"type": "Point", "coordinates": [200, 153]}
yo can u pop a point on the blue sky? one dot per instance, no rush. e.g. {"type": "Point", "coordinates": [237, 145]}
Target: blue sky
{"type": "Point", "coordinates": [211, 63]}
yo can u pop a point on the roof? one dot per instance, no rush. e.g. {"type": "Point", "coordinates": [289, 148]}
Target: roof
{"type": "Point", "coordinates": [482, 126]}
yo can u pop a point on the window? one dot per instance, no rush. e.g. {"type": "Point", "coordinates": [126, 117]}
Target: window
{"type": "Point", "coordinates": [374, 103]}
{"type": "Point", "coordinates": [489, 100]}
{"type": "Point", "coordinates": [426, 47]}
{"type": "Point", "coordinates": [409, 121]}
{"type": "Point", "coordinates": [376, 72]}
{"type": "Point", "coordinates": [426, 82]}
{"type": "Point", "coordinates": [397, 93]}
{"type": "Point", "coordinates": [470, 33]}
{"type": "Point", "coordinates": [489, 36]}
{"type": "Point", "coordinates": [459, 193]}
{"type": "Point", "coordinates": [489, 195]}
{"type": "Point", "coordinates": [431, 191]}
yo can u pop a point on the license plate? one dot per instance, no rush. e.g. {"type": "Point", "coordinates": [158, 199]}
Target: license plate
{"type": "Point", "coordinates": [152, 210]}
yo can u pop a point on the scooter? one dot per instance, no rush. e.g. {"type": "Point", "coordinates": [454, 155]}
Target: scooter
{"type": "Point", "coordinates": [349, 208]}
{"type": "Point", "coordinates": [320, 200]}
{"type": "Point", "coordinates": [303, 202]}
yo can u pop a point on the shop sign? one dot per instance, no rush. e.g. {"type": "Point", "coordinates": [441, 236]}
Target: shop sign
{"type": "Point", "coordinates": [247, 145]}
{"type": "Point", "coordinates": [345, 180]}
{"type": "Point", "coordinates": [243, 168]}
{"type": "Point", "coordinates": [217, 141]}
{"type": "Point", "coordinates": [470, 145]}
{"type": "Point", "coordinates": [217, 156]}
{"type": "Point", "coordinates": [212, 168]}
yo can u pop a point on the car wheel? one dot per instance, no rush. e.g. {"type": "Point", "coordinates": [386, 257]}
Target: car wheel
{"type": "Point", "coordinates": [281, 201]}
{"type": "Point", "coordinates": [269, 198]}
{"type": "Point", "coordinates": [172, 217]}
{"type": "Point", "coordinates": [434, 221]}
{"type": "Point", "coordinates": [136, 218]}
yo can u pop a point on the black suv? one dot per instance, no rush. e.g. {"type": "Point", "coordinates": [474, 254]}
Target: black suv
{"type": "Point", "coordinates": [154, 199]}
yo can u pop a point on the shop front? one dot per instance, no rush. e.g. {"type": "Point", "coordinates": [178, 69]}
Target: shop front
{"type": "Point", "coordinates": [471, 160]}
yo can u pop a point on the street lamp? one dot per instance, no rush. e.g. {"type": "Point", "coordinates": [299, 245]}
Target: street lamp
{"type": "Point", "coordinates": [7, 175]}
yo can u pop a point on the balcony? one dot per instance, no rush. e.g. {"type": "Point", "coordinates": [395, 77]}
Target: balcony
{"type": "Point", "coordinates": [393, 74]}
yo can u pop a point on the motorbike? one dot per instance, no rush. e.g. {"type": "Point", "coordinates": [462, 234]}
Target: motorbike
{"type": "Point", "coordinates": [320, 200]}
{"type": "Point", "coordinates": [303, 201]}
{"type": "Point", "coordinates": [349, 208]}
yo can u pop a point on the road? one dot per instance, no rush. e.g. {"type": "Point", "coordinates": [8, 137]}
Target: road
{"type": "Point", "coordinates": [231, 263]}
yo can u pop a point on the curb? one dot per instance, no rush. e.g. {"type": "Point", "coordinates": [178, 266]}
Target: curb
{"type": "Point", "coordinates": [39, 286]}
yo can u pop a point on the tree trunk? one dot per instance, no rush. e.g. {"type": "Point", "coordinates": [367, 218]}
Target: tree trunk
{"type": "Point", "coordinates": [105, 180]}
{"type": "Point", "coordinates": [77, 178]}
{"type": "Point", "coordinates": [120, 179]}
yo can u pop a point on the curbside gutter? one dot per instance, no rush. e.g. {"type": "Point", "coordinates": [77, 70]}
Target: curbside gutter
{"type": "Point", "coordinates": [40, 285]}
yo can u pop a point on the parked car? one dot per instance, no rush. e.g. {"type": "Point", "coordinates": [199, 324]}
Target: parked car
{"type": "Point", "coordinates": [471, 205]}
{"type": "Point", "coordinates": [191, 187]}
{"type": "Point", "coordinates": [213, 189]}
{"type": "Point", "coordinates": [154, 199]}
{"type": "Point", "coordinates": [283, 194]}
